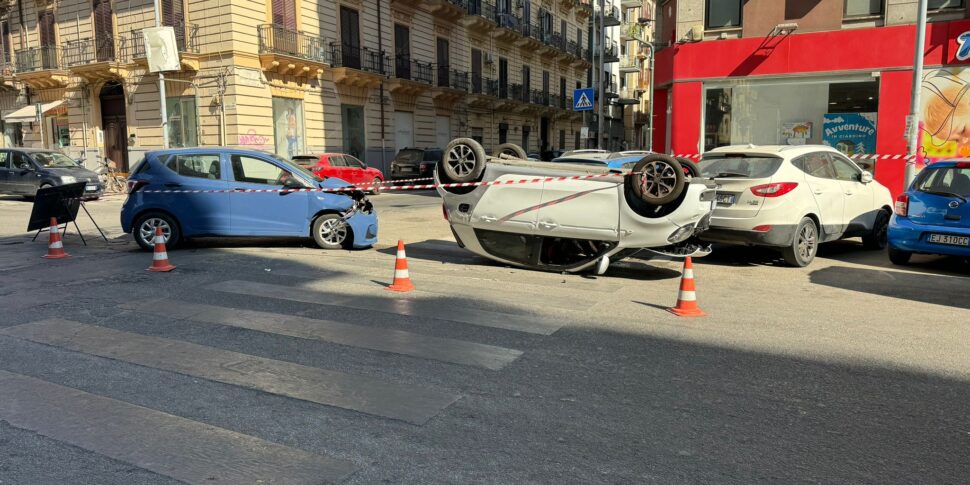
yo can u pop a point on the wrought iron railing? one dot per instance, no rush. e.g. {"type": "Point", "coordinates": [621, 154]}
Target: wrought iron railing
{"type": "Point", "coordinates": [459, 80]}
{"type": "Point", "coordinates": [508, 20]}
{"type": "Point", "coordinates": [414, 70]}
{"type": "Point", "coordinates": [276, 39]}
{"type": "Point", "coordinates": [185, 40]}
{"type": "Point", "coordinates": [491, 87]}
{"type": "Point", "coordinates": [481, 8]}
{"type": "Point", "coordinates": [90, 51]}
{"type": "Point", "coordinates": [519, 93]}
{"type": "Point", "coordinates": [44, 58]}
{"type": "Point", "coordinates": [478, 84]}
{"type": "Point", "coordinates": [629, 62]}
{"type": "Point", "coordinates": [540, 97]}
{"type": "Point", "coordinates": [361, 58]}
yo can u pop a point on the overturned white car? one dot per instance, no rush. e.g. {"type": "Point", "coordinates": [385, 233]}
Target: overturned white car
{"type": "Point", "coordinates": [571, 225]}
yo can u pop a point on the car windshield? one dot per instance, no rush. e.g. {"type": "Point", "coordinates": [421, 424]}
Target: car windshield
{"type": "Point", "coordinates": [581, 161]}
{"type": "Point", "coordinates": [409, 156]}
{"type": "Point", "coordinates": [740, 166]}
{"type": "Point", "coordinates": [946, 181]}
{"type": "Point", "coordinates": [305, 160]}
{"type": "Point", "coordinates": [53, 160]}
{"type": "Point", "coordinates": [297, 168]}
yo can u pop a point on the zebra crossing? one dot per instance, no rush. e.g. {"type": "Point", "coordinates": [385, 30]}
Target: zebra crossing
{"type": "Point", "coordinates": [197, 452]}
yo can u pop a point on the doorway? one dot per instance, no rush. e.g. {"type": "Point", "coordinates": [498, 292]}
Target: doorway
{"type": "Point", "coordinates": [544, 137]}
{"type": "Point", "coordinates": [115, 124]}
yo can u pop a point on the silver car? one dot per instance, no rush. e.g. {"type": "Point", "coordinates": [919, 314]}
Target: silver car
{"type": "Point", "coordinates": [574, 224]}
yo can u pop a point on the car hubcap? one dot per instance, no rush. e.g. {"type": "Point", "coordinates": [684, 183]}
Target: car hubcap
{"type": "Point", "coordinates": [147, 230]}
{"type": "Point", "coordinates": [806, 242]}
{"type": "Point", "coordinates": [657, 179]}
{"type": "Point", "coordinates": [333, 231]}
{"type": "Point", "coordinates": [462, 160]}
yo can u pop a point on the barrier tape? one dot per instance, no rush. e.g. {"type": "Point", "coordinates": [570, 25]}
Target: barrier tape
{"type": "Point", "coordinates": [406, 180]}
{"type": "Point", "coordinates": [859, 156]}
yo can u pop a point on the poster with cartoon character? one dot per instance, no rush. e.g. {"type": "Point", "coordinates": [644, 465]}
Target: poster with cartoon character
{"type": "Point", "coordinates": [945, 113]}
{"type": "Point", "coordinates": [288, 127]}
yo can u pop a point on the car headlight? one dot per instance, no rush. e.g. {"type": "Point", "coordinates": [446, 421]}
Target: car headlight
{"type": "Point", "coordinates": [67, 179]}
{"type": "Point", "coordinates": [682, 233]}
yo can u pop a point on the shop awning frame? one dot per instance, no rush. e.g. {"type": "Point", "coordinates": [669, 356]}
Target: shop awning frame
{"type": "Point", "coordinates": [28, 114]}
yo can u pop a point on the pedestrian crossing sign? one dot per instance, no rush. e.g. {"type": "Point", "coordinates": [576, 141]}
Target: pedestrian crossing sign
{"type": "Point", "coordinates": [583, 99]}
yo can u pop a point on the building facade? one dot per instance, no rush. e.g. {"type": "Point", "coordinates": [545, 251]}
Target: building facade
{"type": "Point", "coordinates": [838, 72]}
{"type": "Point", "coordinates": [296, 76]}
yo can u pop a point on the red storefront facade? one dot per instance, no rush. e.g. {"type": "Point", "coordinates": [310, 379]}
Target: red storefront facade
{"type": "Point", "coordinates": [884, 54]}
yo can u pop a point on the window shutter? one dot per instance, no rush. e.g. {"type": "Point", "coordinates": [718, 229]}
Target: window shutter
{"type": "Point", "coordinates": [173, 13]}
{"type": "Point", "coordinates": [5, 32]}
{"type": "Point", "coordinates": [284, 13]}
{"type": "Point", "coordinates": [45, 19]}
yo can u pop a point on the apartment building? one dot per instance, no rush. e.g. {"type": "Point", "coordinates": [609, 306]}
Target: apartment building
{"type": "Point", "coordinates": [295, 76]}
{"type": "Point", "coordinates": [630, 76]}
{"type": "Point", "coordinates": [838, 72]}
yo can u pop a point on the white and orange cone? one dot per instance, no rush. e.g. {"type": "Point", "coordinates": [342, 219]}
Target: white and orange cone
{"type": "Point", "coordinates": [402, 279]}
{"type": "Point", "coordinates": [55, 248]}
{"type": "Point", "coordinates": [687, 298]}
{"type": "Point", "coordinates": [160, 256]}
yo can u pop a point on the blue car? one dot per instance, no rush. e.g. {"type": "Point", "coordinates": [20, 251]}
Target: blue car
{"type": "Point", "coordinates": [227, 206]}
{"type": "Point", "coordinates": [933, 216]}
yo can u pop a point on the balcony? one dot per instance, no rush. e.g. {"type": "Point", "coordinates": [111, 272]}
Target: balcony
{"type": "Point", "coordinates": [185, 40]}
{"type": "Point", "coordinates": [357, 70]}
{"type": "Point", "coordinates": [585, 9]}
{"type": "Point", "coordinates": [529, 42]}
{"type": "Point", "coordinates": [447, 10]}
{"type": "Point", "coordinates": [509, 27]}
{"type": "Point", "coordinates": [610, 53]}
{"type": "Point", "coordinates": [411, 79]}
{"type": "Point", "coordinates": [612, 18]}
{"type": "Point", "coordinates": [451, 85]}
{"type": "Point", "coordinates": [481, 16]}
{"type": "Point", "coordinates": [484, 92]}
{"type": "Point", "coordinates": [40, 67]}
{"type": "Point", "coordinates": [518, 93]}
{"type": "Point", "coordinates": [96, 59]}
{"type": "Point", "coordinates": [632, 31]}
{"type": "Point", "coordinates": [568, 4]}
{"type": "Point", "coordinates": [286, 51]}
{"type": "Point", "coordinates": [609, 90]}
{"type": "Point", "coordinates": [629, 63]}
{"type": "Point", "coordinates": [7, 75]}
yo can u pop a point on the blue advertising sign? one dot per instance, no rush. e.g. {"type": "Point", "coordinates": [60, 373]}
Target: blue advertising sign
{"type": "Point", "coordinates": [583, 99]}
{"type": "Point", "coordinates": [850, 133]}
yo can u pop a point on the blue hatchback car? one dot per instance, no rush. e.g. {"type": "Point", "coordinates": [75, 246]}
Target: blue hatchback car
{"type": "Point", "coordinates": [333, 219]}
{"type": "Point", "coordinates": [933, 216]}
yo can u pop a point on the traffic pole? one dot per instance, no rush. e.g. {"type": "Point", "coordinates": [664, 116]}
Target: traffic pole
{"type": "Point", "coordinates": [914, 132]}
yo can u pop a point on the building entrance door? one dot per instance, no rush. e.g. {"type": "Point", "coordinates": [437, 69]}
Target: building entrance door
{"type": "Point", "coordinates": [115, 124]}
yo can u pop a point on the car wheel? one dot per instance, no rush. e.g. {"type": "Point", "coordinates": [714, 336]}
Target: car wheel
{"type": "Point", "coordinates": [899, 257]}
{"type": "Point", "coordinates": [464, 160]}
{"type": "Point", "coordinates": [510, 150]}
{"type": "Point", "coordinates": [144, 230]}
{"type": "Point", "coordinates": [804, 246]}
{"type": "Point", "coordinates": [375, 186]}
{"type": "Point", "coordinates": [878, 238]}
{"type": "Point", "coordinates": [330, 231]}
{"type": "Point", "coordinates": [690, 168]}
{"type": "Point", "coordinates": [656, 179]}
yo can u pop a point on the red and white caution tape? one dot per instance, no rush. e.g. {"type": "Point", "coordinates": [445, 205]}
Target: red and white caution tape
{"type": "Point", "coordinates": [386, 182]}
{"type": "Point", "coordinates": [859, 156]}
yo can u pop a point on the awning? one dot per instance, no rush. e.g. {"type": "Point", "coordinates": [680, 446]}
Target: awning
{"type": "Point", "coordinates": [28, 114]}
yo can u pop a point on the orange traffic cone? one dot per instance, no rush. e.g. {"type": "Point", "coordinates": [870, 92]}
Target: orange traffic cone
{"type": "Point", "coordinates": [687, 298]}
{"type": "Point", "coordinates": [160, 257]}
{"type": "Point", "coordinates": [402, 279]}
{"type": "Point", "coordinates": [55, 248]}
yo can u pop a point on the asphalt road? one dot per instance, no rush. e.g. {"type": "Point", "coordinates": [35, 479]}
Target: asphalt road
{"type": "Point", "coordinates": [274, 362]}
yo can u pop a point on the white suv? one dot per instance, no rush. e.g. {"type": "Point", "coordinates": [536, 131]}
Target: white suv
{"type": "Point", "coordinates": [793, 198]}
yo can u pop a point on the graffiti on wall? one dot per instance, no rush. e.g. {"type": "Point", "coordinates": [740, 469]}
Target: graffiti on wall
{"type": "Point", "coordinates": [252, 140]}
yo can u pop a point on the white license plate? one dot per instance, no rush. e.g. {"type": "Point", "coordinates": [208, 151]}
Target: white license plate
{"type": "Point", "coordinates": [90, 188]}
{"type": "Point", "coordinates": [951, 240]}
{"type": "Point", "coordinates": [725, 198]}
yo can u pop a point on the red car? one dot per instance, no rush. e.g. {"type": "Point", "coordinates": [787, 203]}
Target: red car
{"type": "Point", "coordinates": [341, 166]}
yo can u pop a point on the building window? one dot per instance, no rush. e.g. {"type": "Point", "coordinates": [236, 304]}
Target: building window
{"type": "Point", "coordinates": [5, 34]}
{"type": "Point", "coordinates": [722, 14]}
{"type": "Point", "coordinates": [943, 4]}
{"type": "Point", "coordinates": [288, 127]}
{"type": "Point", "coordinates": [443, 55]}
{"type": "Point", "coordinates": [284, 13]}
{"type": "Point", "coordinates": [526, 131]}
{"type": "Point", "coordinates": [863, 8]}
{"type": "Point", "coordinates": [402, 51]}
{"type": "Point", "coordinates": [478, 135]}
{"type": "Point", "coordinates": [575, 141]}
{"type": "Point", "coordinates": [182, 122]}
{"type": "Point", "coordinates": [353, 127]}
{"type": "Point", "coordinates": [503, 133]}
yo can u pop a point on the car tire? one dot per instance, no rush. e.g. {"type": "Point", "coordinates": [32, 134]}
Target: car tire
{"type": "Point", "coordinates": [878, 238]}
{"type": "Point", "coordinates": [656, 179]}
{"type": "Point", "coordinates": [690, 168]}
{"type": "Point", "coordinates": [375, 186]}
{"type": "Point", "coordinates": [145, 237]}
{"type": "Point", "coordinates": [463, 160]}
{"type": "Point", "coordinates": [330, 231]}
{"type": "Point", "coordinates": [510, 149]}
{"type": "Point", "coordinates": [804, 245]}
{"type": "Point", "coordinates": [899, 257]}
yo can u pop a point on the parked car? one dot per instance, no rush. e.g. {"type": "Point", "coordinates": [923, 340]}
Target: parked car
{"type": "Point", "coordinates": [414, 163]}
{"type": "Point", "coordinates": [333, 219]}
{"type": "Point", "coordinates": [570, 225]}
{"type": "Point", "coordinates": [933, 216]}
{"type": "Point", "coordinates": [344, 167]}
{"type": "Point", "coordinates": [24, 170]}
{"type": "Point", "coordinates": [792, 198]}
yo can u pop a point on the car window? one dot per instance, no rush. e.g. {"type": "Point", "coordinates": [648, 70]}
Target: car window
{"type": "Point", "coordinates": [20, 161]}
{"type": "Point", "coordinates": [353, 162]}
{"type": "Point", "coordinates": [305, 160]}
{"type": "Point", "coordinates": [952, 180]}
{"type": "Point", "coordinates": [409, 156]}
{"type": "Point", "coordinates": [4, 160]}
{"type": "Point", "coordinates": [53, 160]}
{"type": "Point", "coordinates": [432, 155]}
{"type": "Point", "coordinates": [739, 166]}
{"type": "Point", "coordinates": [139, 166]}
{"type": "Point", "coordinates": [337, 161]}
{"type": "Point", "coordinates": [581, 161]}
{"type": "Point", "coordinates": [844, 169]}
{"type": "Point", "coordinates": [196, 166]}
{"type": "Point", "coordinates": [256, 171]}
{"type": "Point", "coordinates": [816, 164]}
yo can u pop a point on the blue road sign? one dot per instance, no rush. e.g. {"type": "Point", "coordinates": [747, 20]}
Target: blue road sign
{"type": "Point", "coordinates": [583, 99]}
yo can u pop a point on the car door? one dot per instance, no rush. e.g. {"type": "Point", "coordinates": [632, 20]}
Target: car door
{"type": "Point", "coordinates": [859, 211]}
{"type": "Point", "coordinates": [24, 178]}
{"type": "Point", "coordinates": [274, 213]}
{"type": "Point", "coordinates": [5, 187]}
{"type": "Point", "coordinates": [339, 169]}
{"type": "Point", "coordinates": [826, 190]}
{"type": "Point", "coordinates": [355, 170]}
{"type": "Point", "coordinates": [581, 209]}
{"type": "Point", "coordinates": [199, 213]}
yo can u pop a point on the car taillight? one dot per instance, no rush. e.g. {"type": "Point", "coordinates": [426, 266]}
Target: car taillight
{"type": "Point", "coordinates": [902, 205]}
{"type": "Point", "coordinates": [444, 211]}
{"type": "Point", "coordinates": [962, 165]}
{"type": "Point", "coordinates": [134, 185]}
{"type": "Point", "coordinates": [773, 190]}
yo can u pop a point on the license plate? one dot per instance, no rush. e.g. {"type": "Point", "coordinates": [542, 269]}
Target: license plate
{"type": "Point", "coordinates": [725, 198]}
{"type": "Point", "coordinates": [951, 240]}
{"type": "Point", "coordinates": [407, 169]}
{"type": "Point", "coordinates": [90, 188]}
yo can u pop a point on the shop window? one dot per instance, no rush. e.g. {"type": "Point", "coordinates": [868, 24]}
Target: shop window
{"type": "Point", "coordinates": [717, 118]}
{"type": "Point", "coordinates": [183, 122]}
{"type": "Point", "coordinates": [944, 4]}
{"type": "Point", "coordinates": [862, 97]}
{"type": "Point", "coordinates": [288, 126]}
{"type": "Point", "coordinates": [723, 14]}
{"type": "Point", "coordinates": [863, 8]}
{"type": "Point", "coordinates": [353, 128]}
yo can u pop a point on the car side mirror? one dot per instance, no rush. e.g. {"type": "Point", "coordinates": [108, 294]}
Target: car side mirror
{"type": "Point", "coordinates": [865, 177]}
